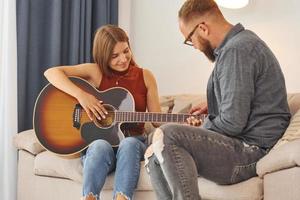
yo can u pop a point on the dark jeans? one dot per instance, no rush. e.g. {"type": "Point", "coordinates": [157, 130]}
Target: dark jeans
{"type": "Point", "coordinates": [184, 152]}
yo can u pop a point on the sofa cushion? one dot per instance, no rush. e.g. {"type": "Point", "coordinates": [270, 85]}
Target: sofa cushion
{"type": "Point", "coordinates": [286, 152]}
{"type": "Point", "coordinates": [181, 106]}
{"type": "Point", "coordinates": [251, 189]}
{"type": "Point", "coordinates": [282, 185]}
{"type": "Point", "coordinates": [285, 156]}
{"type": "Point", "coordinates": [166, 103]}
{"type": "Point", "coordinates": [294, 102]}
{"type": "Point", "coordinates": [27, 140]}
{"type": "Point", "coordinates": [183, 103]}
{"type": "Point", "coordinates": [49, 164]}
{"type": "Point", "coordinates": [292, 132]}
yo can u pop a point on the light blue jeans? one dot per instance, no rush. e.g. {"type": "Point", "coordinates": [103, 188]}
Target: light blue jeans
{"type": "Point", "coordinates": [101, 158]}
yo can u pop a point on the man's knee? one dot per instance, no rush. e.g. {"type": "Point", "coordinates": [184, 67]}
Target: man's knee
{"type": "Point", "coordinates": [163, 135]}
{"type": "Point", "coordinates": [158, 144]}
{"type": "Point", "coordinates": [152, 163]}
{"type": "Point", "coordinates": [157, 135]}
{"type": "Point", "coordinates": [167, 133]}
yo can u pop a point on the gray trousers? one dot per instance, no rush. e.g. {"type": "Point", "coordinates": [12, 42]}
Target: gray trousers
{"type": "Point", "coordinates": [186, 152]}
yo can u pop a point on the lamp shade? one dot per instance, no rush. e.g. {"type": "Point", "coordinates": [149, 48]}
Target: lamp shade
{"type": "Point", "coordinates": [233, 4]}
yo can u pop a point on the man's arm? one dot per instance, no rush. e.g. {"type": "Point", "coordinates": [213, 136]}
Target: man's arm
{"type": "Point", "coordinates": [236, 78]}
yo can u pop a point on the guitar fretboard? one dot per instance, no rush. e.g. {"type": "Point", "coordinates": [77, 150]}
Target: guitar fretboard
{"type": "Point", "coordinates": [122, 116]}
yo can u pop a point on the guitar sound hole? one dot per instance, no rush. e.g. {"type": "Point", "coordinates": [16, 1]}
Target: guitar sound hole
{"type": "Point", "coordinates": [109, 118]}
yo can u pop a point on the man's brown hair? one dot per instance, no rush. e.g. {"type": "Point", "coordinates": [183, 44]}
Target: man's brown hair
{"type": "Point", "coordinates": [190, 8]}
{"type": "Point", "coordinates": [106, 37]}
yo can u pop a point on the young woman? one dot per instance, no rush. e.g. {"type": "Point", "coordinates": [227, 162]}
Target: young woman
{"type": "Point", "coordinates": [114, 66]}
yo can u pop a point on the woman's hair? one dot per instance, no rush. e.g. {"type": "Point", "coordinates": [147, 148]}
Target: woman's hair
{"type": "Point", "coordinates": [192, 8]}
{"type": "Point", "coordinates": [106, 37]}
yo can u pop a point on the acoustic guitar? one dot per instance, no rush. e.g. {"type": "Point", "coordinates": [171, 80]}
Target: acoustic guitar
{"type": "Point", "coordinates": [63, 127]}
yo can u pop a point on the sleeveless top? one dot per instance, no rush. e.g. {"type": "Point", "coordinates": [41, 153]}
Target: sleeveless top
{"type": "Point", "coordinates": [133, 80]}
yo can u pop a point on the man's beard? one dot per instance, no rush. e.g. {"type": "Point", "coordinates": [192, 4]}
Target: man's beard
{"type": "Point", "coordinates": [207, 49]}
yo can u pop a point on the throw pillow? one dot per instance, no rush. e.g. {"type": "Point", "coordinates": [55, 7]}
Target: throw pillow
{"type": "Point", "coordinates": [292, 132]}
{"type": "Point", "coordinates": [27, 140]}
{"type": "Point", "coordinates": [183, 103]}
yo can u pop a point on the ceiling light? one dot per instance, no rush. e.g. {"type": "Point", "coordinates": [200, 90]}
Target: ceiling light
{"type": "Point", "coordinates": [233, 4]}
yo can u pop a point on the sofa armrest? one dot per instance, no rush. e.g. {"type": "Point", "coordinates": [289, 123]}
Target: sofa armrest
{"type": "Point", "coordinates": [27, 140]}
{"type": "Point", "coordinates": [283, 157]}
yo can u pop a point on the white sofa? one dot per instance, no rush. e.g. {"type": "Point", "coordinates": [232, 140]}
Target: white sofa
{"type": "Point", "coordinates": [43, 175]}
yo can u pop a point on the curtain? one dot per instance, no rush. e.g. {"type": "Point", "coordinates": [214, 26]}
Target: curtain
{"type": "Point", "coordinates": [8, 99]}
{"type": "Point", "coordinates": [52, 33]}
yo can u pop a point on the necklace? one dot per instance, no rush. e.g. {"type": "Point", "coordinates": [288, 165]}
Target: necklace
{"type": "Point", "coordinates": [117, 81]}
{"type": "Point", "coordinates": [120, 75]}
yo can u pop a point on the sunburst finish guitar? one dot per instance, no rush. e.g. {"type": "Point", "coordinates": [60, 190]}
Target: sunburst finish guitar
{"type": "Point", "coordinates": [63, 127]}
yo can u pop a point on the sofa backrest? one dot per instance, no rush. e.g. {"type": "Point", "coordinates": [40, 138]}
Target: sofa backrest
{"type": "Point", "coordinates": [294, 102]}
{"type": "Point", "coordinates": [180, 103]}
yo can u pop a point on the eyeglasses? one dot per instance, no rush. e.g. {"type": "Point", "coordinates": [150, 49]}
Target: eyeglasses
{"type": "Point", "coordinates": [188, 40]}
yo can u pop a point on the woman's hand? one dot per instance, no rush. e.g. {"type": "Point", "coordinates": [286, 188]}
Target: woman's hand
{"type": "Point", "coordinates": [92, 106]}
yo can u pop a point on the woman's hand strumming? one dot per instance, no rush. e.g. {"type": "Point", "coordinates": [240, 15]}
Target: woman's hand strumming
{"type": "Point", "coordinates": [92, 106]}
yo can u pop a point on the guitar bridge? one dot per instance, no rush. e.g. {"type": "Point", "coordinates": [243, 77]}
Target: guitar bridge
{"type": "Point", "coordinates": [77, 116]}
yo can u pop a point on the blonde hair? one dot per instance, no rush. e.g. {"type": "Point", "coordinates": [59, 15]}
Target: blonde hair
{"type": "Point", "coordinates": [192, 8]}
{"type": "Point", "coordinates": [106, 37]}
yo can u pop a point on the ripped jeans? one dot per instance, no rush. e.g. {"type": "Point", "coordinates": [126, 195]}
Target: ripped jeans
{"type": "Point", "coordinates": [185, 152]}
{"type": "Point", "coordinates": [101, 159]}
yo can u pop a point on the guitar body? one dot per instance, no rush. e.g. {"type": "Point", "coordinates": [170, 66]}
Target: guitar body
{"type": "Point", "coordinates": [62, 126]}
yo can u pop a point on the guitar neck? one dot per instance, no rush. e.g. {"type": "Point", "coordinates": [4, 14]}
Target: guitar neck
{"type": "Point", "coordinates": [123, 116]}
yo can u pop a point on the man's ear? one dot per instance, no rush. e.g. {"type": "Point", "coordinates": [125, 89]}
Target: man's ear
{"type": "Point", "coordinates": [204, 28]}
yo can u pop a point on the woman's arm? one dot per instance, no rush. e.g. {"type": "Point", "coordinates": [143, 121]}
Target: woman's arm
{"type": "Point", "coordinates": [58, 76]}
{"type": "Point", "coordinates": [152, 93]}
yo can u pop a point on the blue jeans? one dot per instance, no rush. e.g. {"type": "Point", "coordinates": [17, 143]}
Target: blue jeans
{"type": "Point", "coordinates": [185, 152]}
{"type": "Point", "coordinates": [101, 158]}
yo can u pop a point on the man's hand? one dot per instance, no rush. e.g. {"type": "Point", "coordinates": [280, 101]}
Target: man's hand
{"type": "Point", "coordinates": [199, 109]}
{"type": "Point", "coordinates": [194, 121]}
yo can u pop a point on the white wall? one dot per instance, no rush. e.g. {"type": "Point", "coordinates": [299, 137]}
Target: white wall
{"type": "Point", "coordinates": [157, 42]}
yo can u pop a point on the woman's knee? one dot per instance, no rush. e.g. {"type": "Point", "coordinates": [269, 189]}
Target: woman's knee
{"type": "Point", "coordinates": [99, 153]}
{"type": "Point", "coordinates": [98, 147]}
{"type": "Point", "coordinates": [132, 144]}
